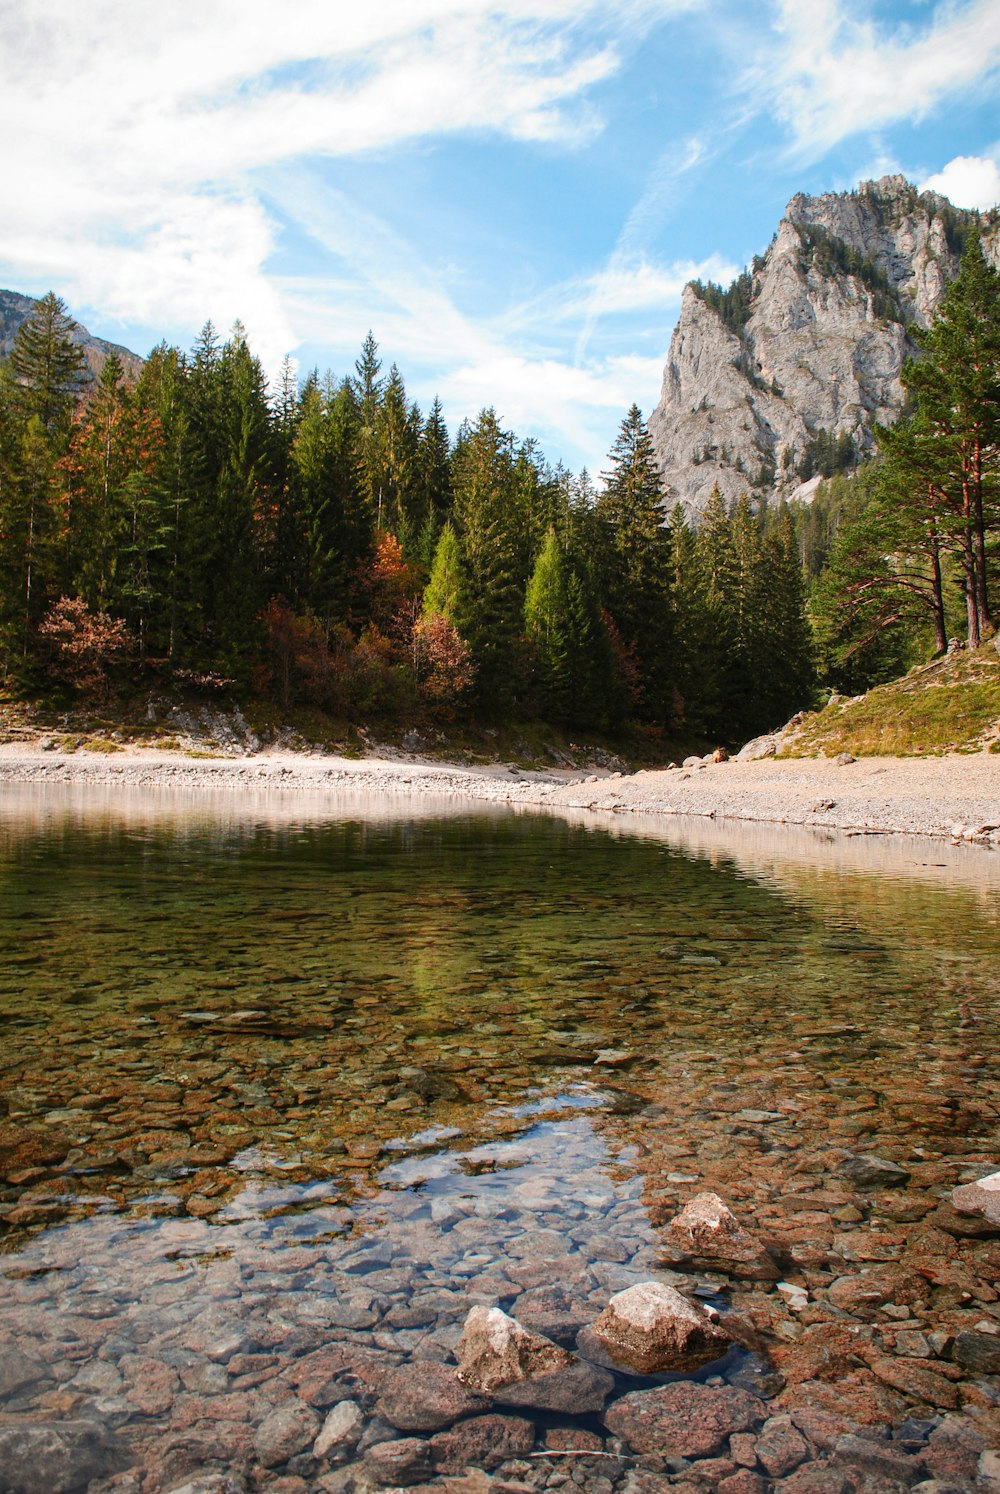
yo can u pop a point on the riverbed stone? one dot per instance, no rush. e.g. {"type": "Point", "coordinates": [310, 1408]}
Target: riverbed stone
{"type": "Point", "coordinates": [684, 1419]}
{"type": "Point", "coordinates": [578, 1388]}
{"type": "Point", "coordinates": [18, 1370]}
{"type": "Point", "coordinates": [495, 1350]}
{"type": "Point", "coordinates": [650, 1327]}
{"type": "Point", "coordinates": [287, 1431]}
{"type": "Point", "coordinates": [707, 1233]}
{"type": "Point", "coordinates": [482, 1442]}
{"type": "Point", "coordinates": [780, 1447]}
{"type": "Point", "coordinates": [57, 1457]}
{"type": "Point", "coordinates": [405, 1461]}
{"type": "Point", "coordinates": [978, 1352]}
{"type": "Point", "coordinates": [426, 1396]}
{"type": "Point", "coordinates": [981, 1197]}
{"type": "Point", "coordinates": [871, 1171]}
{"type": "Point", "coordinates": [341, 1429]}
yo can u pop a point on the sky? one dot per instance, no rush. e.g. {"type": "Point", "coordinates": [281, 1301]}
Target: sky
{"type": "Point", "coordinates": [510, 194]}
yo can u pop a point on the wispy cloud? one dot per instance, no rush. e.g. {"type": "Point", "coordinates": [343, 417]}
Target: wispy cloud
{"type": "Point", "coordinates": [832, 72]}
{"type": "Point", "coordinates": [141, 131]}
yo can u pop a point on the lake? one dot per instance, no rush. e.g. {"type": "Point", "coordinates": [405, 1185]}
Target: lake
{"type": "Point", "coordinates": [289, 1086]}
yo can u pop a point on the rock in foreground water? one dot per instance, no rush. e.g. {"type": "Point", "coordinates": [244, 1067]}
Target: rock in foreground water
{"type": "Point", "coordinates": [708, 1233]}
{"type": "Point", "coordinates": [495, 1351]}
{"type": "Point", "coordinates": [651, 1328]}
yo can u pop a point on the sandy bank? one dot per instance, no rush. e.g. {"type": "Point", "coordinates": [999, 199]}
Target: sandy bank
{"type": "Point", "coordinates": [957, 798]}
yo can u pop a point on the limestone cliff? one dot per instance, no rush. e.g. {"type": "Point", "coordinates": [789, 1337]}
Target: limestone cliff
{"type": "Point", "coordinates": [786, 372]}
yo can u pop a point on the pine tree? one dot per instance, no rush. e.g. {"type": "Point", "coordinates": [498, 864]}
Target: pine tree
{"type": "Point", "coordinates": [48, 364]}
{"type": "Point", "coordinates": [635, 563]}
{"type": "Point", "coordinates": [957, 391]}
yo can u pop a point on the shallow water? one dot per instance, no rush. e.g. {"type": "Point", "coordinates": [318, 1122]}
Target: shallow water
{"type": "Point", "coordinates": [276, 1082]}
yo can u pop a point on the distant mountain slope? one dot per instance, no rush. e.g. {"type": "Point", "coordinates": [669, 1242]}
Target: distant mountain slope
{"type": "Point", "coordinates": [15, 308]}
{"type": "Point", "coordinates": [785, 373]}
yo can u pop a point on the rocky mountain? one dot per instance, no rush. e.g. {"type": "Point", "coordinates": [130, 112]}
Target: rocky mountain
{"type": "Point", "coordinates": [779, 378]}
{"type": "Point", "coordinates": [15, 308]}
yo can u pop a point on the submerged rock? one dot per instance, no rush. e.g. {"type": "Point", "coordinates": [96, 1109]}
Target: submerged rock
{"type": "Point", "coordinates": [708, 1233]}
{"type": "Point", "coordinates": [56, 1457]}
{"type": "Point", "coordinates": [869, 1171]}
{"type": "Point", "coordinates": [496, 1351]}
{"type": "Point", "coordinates": [576, 1389]}
{"type": "Point", "coordinates": [651, 1328]}
{"type": "Point", "coordinates": [683, 1420]}
{"type": "Point", "coordinates": [425, 1396]}
{"type": "Point", "coordinates": [482, 1442]}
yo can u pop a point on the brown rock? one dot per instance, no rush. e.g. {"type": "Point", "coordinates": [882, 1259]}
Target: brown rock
{"type": "Point", "coordinates": [707, 1233]}
{"type": "Point", "coordinates": [916, 1380]}
{"type": "Point", "coordinates": [651, 1328]}
{"type": "Point", "coordinates": [425, 1396]}
{"type": "Point", "coordinates": [743, 1481]}
{"type": "Point", "coordinates": [405, 1461]}
{"type": "Point", "coordinates": [288, 1430]}
{"type": "Point", "coordinates": [817, 1478]}
{"type": "Point", "coordinates": [579, 1388]}
{"type": "Point", "coordinates": [780, 1447]}
{"type": "Point", "coordinates": [495, 1351]}
{"type": "Point", "coordinates": [954, 1449]}
{"type": "Point", "coordinates": [482, 1442]}
{"type": "Point", "coordinates": [683, 1419]}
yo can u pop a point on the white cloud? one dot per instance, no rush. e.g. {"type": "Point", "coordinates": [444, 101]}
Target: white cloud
{"type": "Point", "coordinates": [142, 132]}
{"type": "Point", "coordinates": [834, 74]}
{"type": "Point", "coordinates": [968, 182]}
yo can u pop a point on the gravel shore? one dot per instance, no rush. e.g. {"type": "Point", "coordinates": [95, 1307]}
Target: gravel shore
{"type": "Point", "coordinates": [955, 798]}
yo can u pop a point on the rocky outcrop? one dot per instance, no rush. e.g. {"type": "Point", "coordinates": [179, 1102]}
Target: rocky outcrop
{"type": "Point", "coordinates": [788, 370]}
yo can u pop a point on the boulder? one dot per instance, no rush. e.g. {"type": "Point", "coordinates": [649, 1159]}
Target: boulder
{"type": "Point", "coordinates": [286, 1431]}
{"type": "Point", "coordinates": [397, 1464]}
{"type": "Point", "coordinates": [982, 1198]}
{"type": "Point", "coordinates": [57, 1457]}
{"type": "Point", "coordinates": [707, 1233]}
{"type": "Point", "coordinates": [650, 1328]}
{"type": "Point", "coordinates": [341, 1429]}
{"type": "Point", "coordinates": [496, 1351]}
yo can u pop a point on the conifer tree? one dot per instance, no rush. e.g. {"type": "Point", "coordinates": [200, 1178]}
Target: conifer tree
{"type": "Point", "coordinates": [635, 563]}
{"type": "Point", "coordinates": [47, 364]}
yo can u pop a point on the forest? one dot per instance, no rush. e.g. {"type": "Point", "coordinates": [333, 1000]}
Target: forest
{"type": "Point", "coordinates": [325, 543]}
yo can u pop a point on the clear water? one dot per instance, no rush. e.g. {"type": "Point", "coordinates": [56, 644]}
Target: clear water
{"type": "Point", "coordinates": [286, 1080]}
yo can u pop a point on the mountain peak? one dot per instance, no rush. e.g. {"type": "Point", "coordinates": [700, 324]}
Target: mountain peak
{"type": "Point", "coordinates": [786, 372]}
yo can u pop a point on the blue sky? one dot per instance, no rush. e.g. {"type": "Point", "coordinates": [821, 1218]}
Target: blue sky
{"type": "Point", "coordinates": [511, 195]}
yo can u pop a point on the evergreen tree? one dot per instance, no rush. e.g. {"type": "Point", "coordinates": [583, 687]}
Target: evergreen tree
{"type": "Point", "coordinates": [635, 564]}
{"type": "Point", "coordinates": [443, 596]}
{"type": "Point", "coordinates": [47, 364]}
{"type": "Point", "coordinates": [492, 537]}
{"type": "Point", "coordinates": [956, 387]}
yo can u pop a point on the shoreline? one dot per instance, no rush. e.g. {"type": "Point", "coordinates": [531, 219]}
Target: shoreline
{"type": "Point", "coordinates": [953, 798]}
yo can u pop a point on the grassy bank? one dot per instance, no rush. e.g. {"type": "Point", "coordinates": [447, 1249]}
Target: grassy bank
{"type": "Point", "coordinates": [949, 705]}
